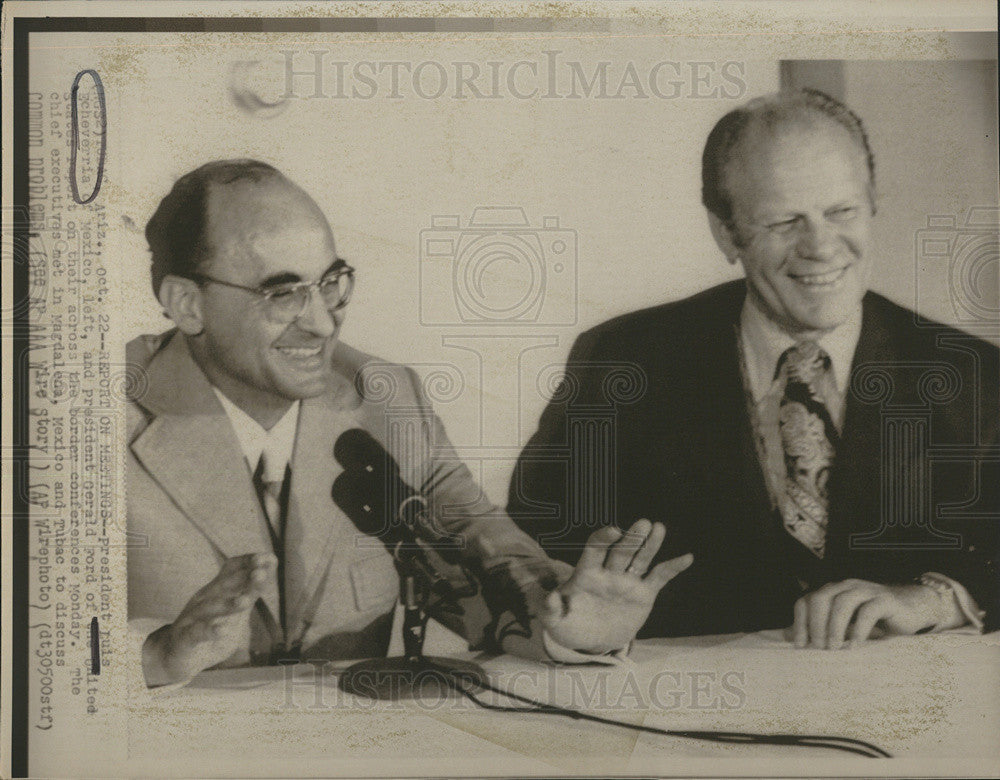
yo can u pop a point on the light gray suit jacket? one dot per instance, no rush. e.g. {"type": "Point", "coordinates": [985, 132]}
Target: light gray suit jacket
{"type": "Point", "coordinates": [192, 504]}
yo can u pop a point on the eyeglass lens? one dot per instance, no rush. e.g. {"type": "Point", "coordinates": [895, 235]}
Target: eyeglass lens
{"type": "Point", "coordinates": [289, 303]}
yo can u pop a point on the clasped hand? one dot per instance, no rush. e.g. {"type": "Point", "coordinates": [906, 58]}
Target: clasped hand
{"type": "Point", "coordinates": [852, 609]}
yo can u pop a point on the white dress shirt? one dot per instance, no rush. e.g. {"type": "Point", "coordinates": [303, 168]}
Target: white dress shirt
{"type": "Point", "coordinates": [278, 443]}
{"type": "Point", "coordinates": [764, 343]}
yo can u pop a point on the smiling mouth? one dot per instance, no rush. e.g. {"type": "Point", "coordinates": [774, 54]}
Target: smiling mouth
{"type": "Point", "coordinates": [819, 281]}
{"type": "Point", "coordinates": [301, 353]}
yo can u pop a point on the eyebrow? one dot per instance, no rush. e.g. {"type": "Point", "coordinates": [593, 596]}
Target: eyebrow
{"type": "Point", "coordinates": [287, 277]}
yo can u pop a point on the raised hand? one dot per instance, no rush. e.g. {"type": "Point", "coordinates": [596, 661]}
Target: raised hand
{"type": "Point", "coordinates": [610, 593]}
{"type": "Point", "coordinates": [212, 624]}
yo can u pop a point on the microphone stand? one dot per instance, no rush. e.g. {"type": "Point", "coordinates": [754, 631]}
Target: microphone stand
{"type": "Point", "coordinates": [413, 675]}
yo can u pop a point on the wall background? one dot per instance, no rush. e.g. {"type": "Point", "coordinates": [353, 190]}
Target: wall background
{"type": "Point", "coordinates": [620, 177]}
{"type": "Point", "coordinates": [933, 128]}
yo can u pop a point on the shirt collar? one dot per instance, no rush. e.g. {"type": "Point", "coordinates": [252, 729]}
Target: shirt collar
{"type": "Point", "coordinates": [764, 342]}
{"type": "Point", "coordinates": [279, 441]}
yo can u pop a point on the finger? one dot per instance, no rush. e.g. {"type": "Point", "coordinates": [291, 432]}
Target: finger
{"type": "Point", "coordinates": [596, 548]}
{"type": "Point", "coordinates": [819, 610]}
{"type": "Point", "coordinates": [869, 614]}
{"type": "Point", "coordinates": [200, 631]}
{"type": "Point", "coordinates": [622, 552]}
{"type": "Point", "coordinates": [235, 605]}
{"type": "Point", "coordinates": [232, 576]}
{"type": "Point", "coordinates": [800, 628]}
{"type": "Point", "coordinates": [215, 630]}
{"type": "Point", "coordinates": [264, 570]}
{"type": "Point", "coordinates": [239, 564]}
{"type": "Point", "coordinates": [819, 616]}
{"type": "Point", "coordinates": [486, 548]}
{"type": "Point", "coordinates": [245, 573]}
{"type": "Point", "coordinates": [665, 571]}
{"type": "Point", "coordinates": [224, 581]}
{"type": "Point", "coordinates": [554, 608]}
{"type": "Point", "coordinates": [220, 607]}
{"type": "Point", "coordinates": [842, 609]}
{"type": "Point", "coordinates": [640, 563]}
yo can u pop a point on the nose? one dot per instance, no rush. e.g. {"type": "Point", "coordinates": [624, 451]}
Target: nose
{"type": "Point", "coordinates": [818, 240]}
{"type": "Point", "coordinates": [316, 318]}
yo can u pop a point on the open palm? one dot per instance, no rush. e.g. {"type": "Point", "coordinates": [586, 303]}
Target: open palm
{"type": "Point", "coordinates": [610, 594]}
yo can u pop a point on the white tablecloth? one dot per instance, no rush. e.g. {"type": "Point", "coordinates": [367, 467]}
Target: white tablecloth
{"type": "Point", "coordinates": [931, 701]}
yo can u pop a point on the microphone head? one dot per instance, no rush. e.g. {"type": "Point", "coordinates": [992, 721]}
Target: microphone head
{"type": "Point", "coordinates": [355, 448]}
{"type": "Point", "coordinates": [370, 490]}
{"type": "Point", "coordinates": [360, 499]}
{"type": "Point", "coordinates": [373, 494]}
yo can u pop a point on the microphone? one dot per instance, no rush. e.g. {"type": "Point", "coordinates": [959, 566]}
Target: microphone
{"type": "Point", "coordinates": [371, 491]}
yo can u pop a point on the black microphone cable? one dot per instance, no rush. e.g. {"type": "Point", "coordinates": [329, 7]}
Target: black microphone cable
{"type": "Point", "coordinates": [357, 449]}
{"type": "Point", "coordinates": [845, 744]}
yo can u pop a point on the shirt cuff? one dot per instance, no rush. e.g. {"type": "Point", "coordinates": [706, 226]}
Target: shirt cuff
{"type": "Point", "coordinates": [565, 655]}
{"type": "Point", "coordinates": [967, 605]}
{"type": "Point", "coordinates": [139, 630]}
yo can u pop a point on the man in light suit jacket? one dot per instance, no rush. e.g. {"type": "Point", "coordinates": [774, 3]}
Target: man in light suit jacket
{"type": "Point", "coordinates": [831, 464]}
{"type": "Point", "coordinates": [239, 553]}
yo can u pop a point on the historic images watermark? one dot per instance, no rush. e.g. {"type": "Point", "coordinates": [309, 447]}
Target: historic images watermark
{"type": "Point", "coordinates": [963, 257]}
{"type": "Point", "coordinates": [314, 685]}
{"type": "Point", "coordinates": [497, 268]}
{"type": "Point", "coordinates": [323, 74]}
{"type": "Point", "coordinates": [503, 285]}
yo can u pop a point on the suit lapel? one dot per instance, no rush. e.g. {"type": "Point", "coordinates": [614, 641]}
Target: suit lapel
{"type": "Point", "coordinates": [315, 525]}
{"type": "Point", "coordinates": [858, 471]}
{"type": "Point", "coordinates": [726, 429]}
{"type": "Point", "coordinates": [190, 449]}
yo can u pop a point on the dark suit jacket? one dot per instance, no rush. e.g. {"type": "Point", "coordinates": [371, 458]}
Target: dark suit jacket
{"type": "Point", "coordinates": [652, 421]}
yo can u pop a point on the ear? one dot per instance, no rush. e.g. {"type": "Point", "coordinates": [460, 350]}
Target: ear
{"type": "Point", "coordinates": [724, 238]}
{"type": "Point", "coordinates": [182, 300]}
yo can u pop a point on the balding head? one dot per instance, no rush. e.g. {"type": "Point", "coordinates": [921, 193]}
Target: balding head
{"type": "Point", "coordinates": [245, 265]}
{"type": "Point", "coordinates": [744, 129]}
{"type": "Point", "coordinates": [249, 222]}
{"type": "Point", "coordinates": [250, 192]}
{"type": "Point", "coordinates": [788, 185]}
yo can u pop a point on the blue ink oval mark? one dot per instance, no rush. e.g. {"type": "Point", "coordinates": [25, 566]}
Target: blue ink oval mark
{"type": "Point", "coordinates": [75, 135]}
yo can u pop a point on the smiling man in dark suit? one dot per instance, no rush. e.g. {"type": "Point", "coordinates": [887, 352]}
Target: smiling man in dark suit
{"type": "Point", "coordinates": [790, 422]}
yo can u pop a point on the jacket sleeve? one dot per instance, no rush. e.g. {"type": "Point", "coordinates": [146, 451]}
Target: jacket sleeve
{"type": "Point", "coordinates": [547, 498]}
{"type": "Point", "coordinates": [975, 564]}
{"type": "Point", "coordinates": [512, 572]}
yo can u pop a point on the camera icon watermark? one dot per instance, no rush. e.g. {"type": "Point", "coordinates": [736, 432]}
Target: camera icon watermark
{"type": "Point", "coordinates": [497, 269]}
{"type": "Point", "coordinates": [964, 259]}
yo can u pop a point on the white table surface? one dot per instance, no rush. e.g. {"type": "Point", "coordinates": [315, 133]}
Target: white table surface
{"type": "Point", "coordinates": [931, 701]}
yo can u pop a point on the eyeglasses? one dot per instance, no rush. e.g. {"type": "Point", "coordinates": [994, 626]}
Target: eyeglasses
{"type": "Point", "coordinates": [284, 303]}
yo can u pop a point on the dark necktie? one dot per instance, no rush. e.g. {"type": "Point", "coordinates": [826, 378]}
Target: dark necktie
{"type": "Point", "coordinates": [808, 438]}
{"type": "Point", "coordinates": [273, 496]}
{"type": "Point", "coordinates": [270, 492]}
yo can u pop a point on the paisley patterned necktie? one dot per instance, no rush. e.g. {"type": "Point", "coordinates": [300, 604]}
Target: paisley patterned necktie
{"type": "Point", "coordinates": [808, 438]}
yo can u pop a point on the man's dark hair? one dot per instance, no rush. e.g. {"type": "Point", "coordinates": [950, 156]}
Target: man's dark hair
{"type": "Point", "coordinates": [176, 231]}
{"type": "Point", "coordinates": [771, 112]}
